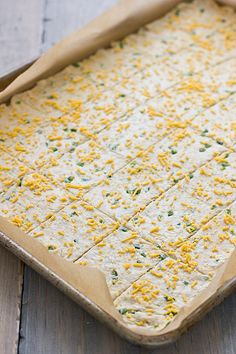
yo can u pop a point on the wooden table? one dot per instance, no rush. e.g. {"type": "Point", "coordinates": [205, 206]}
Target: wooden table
{"type": "Point", "coordinates": [34, 316]}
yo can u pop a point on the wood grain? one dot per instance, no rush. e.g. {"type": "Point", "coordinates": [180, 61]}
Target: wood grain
{"type": "Point", "coordinates": [21, 29]}
{"type": "Point", "coordinates": [50, 322]}
{"type": "Point", "coordinates": [20, 40]}
{"type": "Point", "coordinates": [11, 277]}
{"type": "Point", "coordinates": [62, 17]}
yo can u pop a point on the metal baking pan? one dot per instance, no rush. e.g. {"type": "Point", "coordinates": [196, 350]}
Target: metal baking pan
{"type": "Point", "coordinates": [7, 78]}
{"type": "Point", "coordinates": [92, 307]}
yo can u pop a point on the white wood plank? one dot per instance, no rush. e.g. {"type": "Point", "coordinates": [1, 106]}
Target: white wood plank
{"type": "Point", "coordinates": [20, 40]}
{"type": "Point", "coordinates": [11, 276]}
{"type": "Point", "coordinates": [63, 17]}
{"type": "Point", "coordinates": [20, 32]}
{"type": "Point", "coordinates": [51, 323]}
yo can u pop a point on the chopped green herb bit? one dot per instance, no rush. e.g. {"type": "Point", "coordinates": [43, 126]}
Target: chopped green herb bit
{"type": "Point", "coordinates": [20, 182]}
{"type": "Point", "coordinates": [162, 256]}
{"type": "Point", "coordinates": [81, 164]}
{"type": "Point", "coordinates": [137, 246]}
{"type": "Point", "coordinates": [137, 191]}
{"type": "Point", "coordinates": [51, 247]}
{"type": "Point", "coordinates": [177, 12]}
{"type": "Point", "coordinates": [114, 276]}
{"type": "Point", "coordinates": [133, 164]}
{"type": "Point", "coordinates": [207, 146]}
{"type": "Point", "coordinates": [69, 179]}
{"type": "Point", "coordinates": [204, 132]}
{"type": "Point", "coordinates": [133, 191]}
{"type": "Point", "coordinates": [114, 147]}
{"type": "Point", "coordinates": [224, 165]}
{"type": "Point", "coordinates": [123, 311]}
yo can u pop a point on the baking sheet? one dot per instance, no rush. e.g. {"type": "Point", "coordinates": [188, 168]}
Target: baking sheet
{"type": "Point", "coordinates": [74, 279]}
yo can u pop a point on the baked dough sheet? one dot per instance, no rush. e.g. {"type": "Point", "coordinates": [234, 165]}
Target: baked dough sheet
{"type": "Point", "coordinates": [126, 161]}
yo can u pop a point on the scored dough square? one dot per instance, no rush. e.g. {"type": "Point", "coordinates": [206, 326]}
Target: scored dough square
{"type": "Point", "coordinates": [110, 66]}
{"type": "Point", "coordinates": [18, 116]}
{"type": "Point", "coordinates": [31, 201]}
{"type": "Point", "coordinates": [57, 95]}
{"type": "Point", "coordinates": [83, 166]}
{"type": "Point", "coordinates": [123, 256]}
{"type": "Point", "coordinates": [11, 171]}
{"type": "Point", "coordinates": [74, 229]}
{"type": "Point", "coordinates": [196, 93]}
{"type": "Point", "coordinates": [201, 17]}
{"type": "Point", "coordinates": [35, 145]}
{"type": "Point", "coordinates": [219, 122]}
{"type": "Point", "coordinates": [172, 218]}
{"type": "Point", "coordinates": [173, 157]}
{"type": "Point", "coordinates": [212, 245]}
{"type": "Point", "coordinates": [160, 292]}
{"type": "Point", "coordinates": [132, 134]}
{"type": "Point", "coordinates": [214, 183]}
{"type": "Point", "coordinates": [166, 42]}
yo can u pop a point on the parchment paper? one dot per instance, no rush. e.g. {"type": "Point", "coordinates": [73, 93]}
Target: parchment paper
{"type": "Point", "coordinates": [124, 18]}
